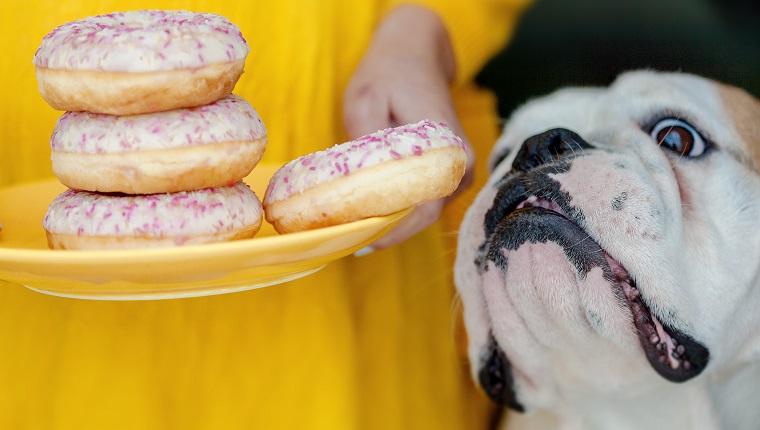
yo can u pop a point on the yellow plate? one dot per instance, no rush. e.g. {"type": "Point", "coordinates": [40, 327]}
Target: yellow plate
{"type": "Point", "coordinates": [166, 273]}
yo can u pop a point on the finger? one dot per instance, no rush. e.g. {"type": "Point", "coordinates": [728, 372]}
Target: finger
{"type": "Point", "coordinates": [427, 96]}
{"type": "Point", "coordinates": [422, 216]}
{"type": "Point", "coordinates": [433, 103]}
{"type": "Point", "coordinates": [407, 111]}
{"type": "Point", "coordinates": [469, 170]}
{"type": "Point", "coordinates": [365, 111]}
{"type": "Point", "coordinates": [448, 116]}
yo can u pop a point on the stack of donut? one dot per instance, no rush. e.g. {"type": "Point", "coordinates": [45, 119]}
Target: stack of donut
{"type": "Point", "coordinates": [153, 146]}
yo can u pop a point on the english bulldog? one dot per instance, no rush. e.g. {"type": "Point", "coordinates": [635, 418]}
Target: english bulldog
{"type": "Point", "coordinates": [610, 269]}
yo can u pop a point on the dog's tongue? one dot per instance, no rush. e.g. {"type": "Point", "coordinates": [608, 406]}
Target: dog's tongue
{"type": "Point", "coordinates": [674, 355]}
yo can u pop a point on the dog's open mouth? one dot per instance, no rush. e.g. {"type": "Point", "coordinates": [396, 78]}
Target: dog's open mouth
{"type": "Point", "coordinates": [673, 354]}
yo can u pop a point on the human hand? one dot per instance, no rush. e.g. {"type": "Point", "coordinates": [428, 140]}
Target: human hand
{"type": "Point", "coordinates": [404, 78]}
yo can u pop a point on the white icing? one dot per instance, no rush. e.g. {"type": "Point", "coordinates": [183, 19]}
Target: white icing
{"type": "Point", "coordinates": [231, 119]}
{"type": "Point", "coordinates": [386, 145]}
{"type": "Point", "coordinates": [142, 41]}
{"type": "Point", "coordinates": [186, 213]}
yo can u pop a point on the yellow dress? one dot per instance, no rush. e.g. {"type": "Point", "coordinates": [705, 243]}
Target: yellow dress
{"type": "Point", "coordinates": [370, 342]}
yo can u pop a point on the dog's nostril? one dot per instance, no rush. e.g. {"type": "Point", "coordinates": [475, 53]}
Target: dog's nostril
{"type": "Point", "coordinates": [495, 377]}
{"type": "Point", "coordinates": [546, 147]}
{"type": "Point", "coordinates": [557, 146]}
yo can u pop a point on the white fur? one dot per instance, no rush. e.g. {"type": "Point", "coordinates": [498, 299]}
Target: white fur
{"type": "Point", "coordinates": [697, 259]}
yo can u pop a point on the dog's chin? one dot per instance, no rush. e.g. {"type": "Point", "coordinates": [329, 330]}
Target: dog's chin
{"type": "Point", "coordinates": [673, 354]}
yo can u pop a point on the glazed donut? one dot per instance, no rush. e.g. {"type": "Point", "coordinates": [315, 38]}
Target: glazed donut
{"type": "Point", "coordinates": [179, 150]}
{"type": "Point", "coordinates": [140, 62]}
{"type": "Point", "coordinates": [85, 220]}
{"type": "Point", "coordinates": [375, 175]}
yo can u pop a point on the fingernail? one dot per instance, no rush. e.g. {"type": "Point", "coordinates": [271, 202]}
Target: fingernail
{"type": "Point", "coordinates": [364, 251]}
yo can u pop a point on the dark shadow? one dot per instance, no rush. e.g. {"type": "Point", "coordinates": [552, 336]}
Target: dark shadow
{"type": "Point", "coordinates": [589, 42]}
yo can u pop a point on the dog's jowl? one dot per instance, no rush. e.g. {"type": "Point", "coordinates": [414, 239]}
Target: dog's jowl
{"type": "Point", "coordinates": [610, 269]}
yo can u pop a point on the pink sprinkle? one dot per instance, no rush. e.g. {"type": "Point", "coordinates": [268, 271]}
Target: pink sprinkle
{"type": "Point", "coordinates": [395, 154]}
{"type": "Point", "coordinates": [176, 200]}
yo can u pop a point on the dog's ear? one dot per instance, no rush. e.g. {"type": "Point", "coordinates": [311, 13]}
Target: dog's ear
{"type": "Point", "coordinates": [745, 110]}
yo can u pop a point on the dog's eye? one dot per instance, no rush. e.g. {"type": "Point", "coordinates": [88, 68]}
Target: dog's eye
{"type": "Point", "coordinates": [679, 137]}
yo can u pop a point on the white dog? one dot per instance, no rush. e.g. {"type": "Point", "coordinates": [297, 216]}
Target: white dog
{"type": "Point", "coordinates": [610, 269]}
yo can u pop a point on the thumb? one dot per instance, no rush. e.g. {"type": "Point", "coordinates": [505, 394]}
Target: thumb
{"type": "Point", "coordinates": [422, 216]}
{"type": "Point", "coordinates": [364, 111]}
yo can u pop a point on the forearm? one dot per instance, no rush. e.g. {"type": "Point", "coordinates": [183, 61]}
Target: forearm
{"type": "Point", "coordinates": [477, 29]}
{"type": "Point", "coordinates": [416, 31]}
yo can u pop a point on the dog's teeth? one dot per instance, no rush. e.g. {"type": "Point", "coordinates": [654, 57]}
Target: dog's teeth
{"type": "Point", "coordinates": [654, 340]}
{"type": "Point", "coordinates": [681, 350]}
{"type": "Point", "coordinates": [661, 346]}
{"type": "Point", "coordinates": [675, 354]}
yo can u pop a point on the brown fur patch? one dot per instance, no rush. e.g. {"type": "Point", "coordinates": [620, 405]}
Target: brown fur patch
{"type": "Point", "coordinates": [745, 110]}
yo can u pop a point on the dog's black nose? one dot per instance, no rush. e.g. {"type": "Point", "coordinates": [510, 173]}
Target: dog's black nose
{"type": "Point", "coordinates": [546, 147]}
{"type": "Point", "coordinates": [496, 378]}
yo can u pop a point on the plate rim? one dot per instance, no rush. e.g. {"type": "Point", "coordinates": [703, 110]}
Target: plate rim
{"type": "Point", "coordinates": [136, 255]}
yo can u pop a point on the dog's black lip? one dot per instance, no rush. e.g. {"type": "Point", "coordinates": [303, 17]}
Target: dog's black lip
{"type": "Point", "coordinates": [516, 187]}
{"type": "Point", "coordinates": [495, 376]}
{"type": "Point", "coordinates": [692, 356]}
